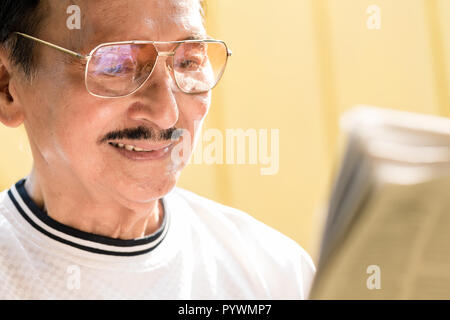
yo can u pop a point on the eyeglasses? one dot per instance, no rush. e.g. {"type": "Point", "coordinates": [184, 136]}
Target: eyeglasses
{"type": "Point", "coordinates": [119, 69]}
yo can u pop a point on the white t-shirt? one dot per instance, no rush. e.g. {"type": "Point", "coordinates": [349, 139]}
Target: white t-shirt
{"type": "Point", "coordinates": [203, 250]}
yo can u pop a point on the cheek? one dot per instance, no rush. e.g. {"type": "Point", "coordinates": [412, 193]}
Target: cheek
{"type": "Point", "coordinates": [193, 112]}
{"type": "Point", "coordinates": [53, 113]}
{"type": "Point", "coordinates": [72, 140]}
{"type": "Point", "coordinates": [75, 132]}
{"type": "Point", "coordinates": [83, 123]}
{"type": "Point", "coordinates": [194, 107]}
{"type": "Point", "coordinates": [41, 122]}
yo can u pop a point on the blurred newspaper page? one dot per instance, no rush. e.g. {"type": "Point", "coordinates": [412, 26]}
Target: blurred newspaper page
{"type": "Point", "coordinates": [387, 234]}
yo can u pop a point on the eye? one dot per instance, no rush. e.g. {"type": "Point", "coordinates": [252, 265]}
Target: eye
{"type": "Point", "coordinates": [191, 56]}
{"type": "Point", "coordinates": [118, 69]}
{"type": "Point", "coordinates": [113, 64]}
{"type": "Point", "coordinates": [188, 64]}
{"type": "Point", "coordinates": [113, 69]}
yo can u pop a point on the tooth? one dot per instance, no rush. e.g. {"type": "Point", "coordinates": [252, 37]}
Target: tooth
{"type": "Point", "coordinates": [138, 149]}
{"type": "Point", "coordinates": [120, 145]}
{"type": "Point", "coordinates": [128, 147]}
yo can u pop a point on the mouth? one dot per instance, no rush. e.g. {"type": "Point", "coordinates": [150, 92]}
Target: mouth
{"type": "Point", "coordinates": [132, 147]}
{"type": "Point", "coordinates": [142, 150]}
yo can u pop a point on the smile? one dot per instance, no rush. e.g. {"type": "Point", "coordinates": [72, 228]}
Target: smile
{"type": "Point", "coordinates": [137, 149]}
{"type": "Point", "coordinates": [141, 150]}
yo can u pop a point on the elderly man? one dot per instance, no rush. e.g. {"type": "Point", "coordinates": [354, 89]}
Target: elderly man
{"type": "Point", "coordinates": [112, 112]}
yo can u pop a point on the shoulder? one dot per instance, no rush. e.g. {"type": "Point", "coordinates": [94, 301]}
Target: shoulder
{"type": "Point", "coordinates": [4, 224]}
{"type": "Point", "coordinates": [8, 242]}
{"type": "Point", "coordinates": [275, 255]}
{"type": "Point", "coordinates": [6, 227]}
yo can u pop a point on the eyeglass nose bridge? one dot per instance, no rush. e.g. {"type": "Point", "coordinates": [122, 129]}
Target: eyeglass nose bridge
{"type": "Point", "coordinates": [168, 64]}
{"type": "Point", "coordinates": [166, 53]}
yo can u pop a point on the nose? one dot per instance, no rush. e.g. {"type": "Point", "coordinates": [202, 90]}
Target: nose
{"type": "Point", "coordinates": [157, 102]}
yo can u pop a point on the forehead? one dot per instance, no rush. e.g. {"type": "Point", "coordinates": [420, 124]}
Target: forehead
{"type": "Point", "coordinates": [119, 20]}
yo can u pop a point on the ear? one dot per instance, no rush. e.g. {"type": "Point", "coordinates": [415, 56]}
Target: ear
{"type": "Point", "coordinates": [11, 113]}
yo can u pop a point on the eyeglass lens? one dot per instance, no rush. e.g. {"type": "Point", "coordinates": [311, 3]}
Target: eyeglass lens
{"type": "Point", "coordinates": [119, 69]}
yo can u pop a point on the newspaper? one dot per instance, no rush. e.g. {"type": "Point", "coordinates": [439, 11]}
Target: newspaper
{"type": "Point", "coordinates": [387, 233]}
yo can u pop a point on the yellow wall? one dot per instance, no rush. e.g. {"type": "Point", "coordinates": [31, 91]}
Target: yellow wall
{"type": "Point", "coordinates": [15, 160]}
{"type": "Point", "coordinates": [296, 66]}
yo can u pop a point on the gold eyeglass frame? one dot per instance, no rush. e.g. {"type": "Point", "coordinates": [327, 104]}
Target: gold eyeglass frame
{"type": "Point", "coordinates": [160, 54]}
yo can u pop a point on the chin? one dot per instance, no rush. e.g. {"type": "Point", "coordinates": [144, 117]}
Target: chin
{"type": "Point", "coordinates": [145, 192]}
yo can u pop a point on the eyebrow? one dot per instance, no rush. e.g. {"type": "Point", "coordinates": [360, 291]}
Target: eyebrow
{"type": "Point", "coordinates": [196, 36]}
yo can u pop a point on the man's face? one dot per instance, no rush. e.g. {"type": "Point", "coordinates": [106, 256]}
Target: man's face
{"type": "Point", "coordinates": [65, 124]}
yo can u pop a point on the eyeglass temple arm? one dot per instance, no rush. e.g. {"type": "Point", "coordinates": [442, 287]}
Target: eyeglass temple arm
{"type": "Point", "coordinates": [73, 53]}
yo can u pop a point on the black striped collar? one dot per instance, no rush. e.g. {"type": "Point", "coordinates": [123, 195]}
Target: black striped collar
{"type": "Point", "coordinates": [39, 220]}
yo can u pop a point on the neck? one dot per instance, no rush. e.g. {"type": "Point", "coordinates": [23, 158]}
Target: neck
{"type": "Point", "coordinates": [74, 206]}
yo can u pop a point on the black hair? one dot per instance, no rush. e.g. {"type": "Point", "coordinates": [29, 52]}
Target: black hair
{"type": "Point", "coordinates": [19, 16]}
